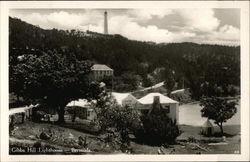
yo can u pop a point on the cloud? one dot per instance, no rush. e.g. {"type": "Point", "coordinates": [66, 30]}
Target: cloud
{"type": "Point", "coordinates": [34, 18]}
{"type": "Point", "coordinates": [228, 32]}
{"type": "Point", "coordinates": [227, 35]}
{"type": "Point", "coordinates": [199, 19]}
{"type": "Point", "coordinates": [146, 14]}
{"type": "Point", "coordinates": [134, 31]}
{"type": "Point", "coordinates": [65, 19]}
{"type": "Point", "coordinates": [62, 19]}
{"type": "Point", "coordinates": [127, 27]}
{"type": "Point", "coordinates": [197, 25]}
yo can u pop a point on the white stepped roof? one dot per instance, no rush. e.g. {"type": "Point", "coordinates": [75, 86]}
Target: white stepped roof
{"type": "Point", "coordinates": [119, 97]}
{"type": "Point", "coordinates": [149, 99]}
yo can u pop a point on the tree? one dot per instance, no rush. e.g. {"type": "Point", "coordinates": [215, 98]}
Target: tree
{"type": "Point", "coordinates": [169, 82]}
{"type": "Point", "coordinates": [132, 80]}
{"type": "Point", "coordinates": [207, 89]}
{"type": "Point", "coordinates": [122, 119]}
{"type": "Point", "coordinates": [218, 109]}
{"type": "Point", "coordinates": [54, 80]}
{"type": "Point", "coordinates": [148, 81]}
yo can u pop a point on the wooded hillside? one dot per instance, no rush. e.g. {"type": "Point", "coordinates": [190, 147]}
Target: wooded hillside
{"type": "Point", "coordinates": [133, 61]}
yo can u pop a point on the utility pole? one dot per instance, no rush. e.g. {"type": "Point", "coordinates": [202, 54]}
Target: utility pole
{"type": "Point", "coordinates": [183, 87]}
{"type": "Point", "coordinates": [112, 84]}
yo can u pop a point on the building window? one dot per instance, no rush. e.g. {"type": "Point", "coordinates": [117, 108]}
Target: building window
{"type": "Point", "coordinates": [167, 109]}
{"type": "Point", "coordinates": [88, 113]}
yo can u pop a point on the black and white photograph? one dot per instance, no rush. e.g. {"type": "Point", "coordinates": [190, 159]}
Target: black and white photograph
{"type": "Point", "coordinates": [117, 80]}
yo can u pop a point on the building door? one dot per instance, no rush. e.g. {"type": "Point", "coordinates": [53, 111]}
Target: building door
{"type": "Point", "coordinates": [209, 131]}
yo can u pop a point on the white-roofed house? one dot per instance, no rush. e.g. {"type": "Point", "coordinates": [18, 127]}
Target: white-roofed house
{"type": "Point", "coordinates": [83, 109]}
{"type": "Point", "coordinates": [170, 106]}
{"type": "Point", "coordinates": [125, 99]}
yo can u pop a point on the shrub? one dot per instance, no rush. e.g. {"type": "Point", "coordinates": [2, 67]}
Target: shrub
{"type": "Point", "coordinates": [183, 97]}
{"type": "Point", "coordinates": [157, 128]}
{"type": "Point", "coordinates": [121, 120]}
{"type": "Point", "coordinates": [191, 139]}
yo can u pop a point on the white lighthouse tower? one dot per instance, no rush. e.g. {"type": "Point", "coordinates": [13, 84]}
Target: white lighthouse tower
{"type": "Point", "coordinates": [105, 22]}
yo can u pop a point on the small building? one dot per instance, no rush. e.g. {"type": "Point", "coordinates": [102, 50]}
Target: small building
{"type": "Point", "coordinates": [101, 71]}
{"type": "Point", "coordinates": [20, 114]}
{"type": "Point", "coordinates": [82, 109]}
{"type": "Point", "coordinates": [170, 106]}
{"type": "Point", "coordinates": [207, 128]}
{"type": "Point", "coordinates": [125, 99]}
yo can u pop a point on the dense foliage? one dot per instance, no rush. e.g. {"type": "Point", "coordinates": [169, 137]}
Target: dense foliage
{"type": "Point", "coordinates": [192, 64]}
{"type": "Point", "coordinates": [157, 128]}
{"type": "Point", "coordinates": [218, 109]}
{"type": "Point", "coordinates": [113, 118]}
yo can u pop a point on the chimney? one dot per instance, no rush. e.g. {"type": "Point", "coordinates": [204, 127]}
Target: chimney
{"type": "Point", "coordinates": [105, 22]}
{"type": "Point", "coordinates": [156, 107]}
{"type": "Point", "coordinates": [156, 99]}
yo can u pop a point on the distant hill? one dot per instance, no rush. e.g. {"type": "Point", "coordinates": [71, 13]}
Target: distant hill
{"type": "Point", "coordinates": [190, 62]}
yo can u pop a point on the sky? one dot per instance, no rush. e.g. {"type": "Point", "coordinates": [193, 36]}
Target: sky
{"type": "Point", "coordinates": [164, 25]}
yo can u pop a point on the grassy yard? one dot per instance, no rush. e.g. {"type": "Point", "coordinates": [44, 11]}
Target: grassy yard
{"type": "Point", "coordinates": [215, 144]}
{"type": "Point", "coordinates": [66, 140]}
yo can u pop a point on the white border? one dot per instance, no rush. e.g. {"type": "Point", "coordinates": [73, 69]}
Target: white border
{"type": "Point", "coordinates": [243, 5]}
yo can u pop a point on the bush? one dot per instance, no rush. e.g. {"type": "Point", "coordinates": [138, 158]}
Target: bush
{"type": "Point", "coordinates": [183, 97]}
{"type": "Point", "coordinates": [191, 139]}
{"type": "Point", "coordinates": [121, 120]}
{"type": "Point", "coordinates": [157, 130]}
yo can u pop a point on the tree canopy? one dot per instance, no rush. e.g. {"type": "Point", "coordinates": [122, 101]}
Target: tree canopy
{"type": "Point", "coordinates": [53, 79]}
{"type": "Point", "coordinates": [218, 109]}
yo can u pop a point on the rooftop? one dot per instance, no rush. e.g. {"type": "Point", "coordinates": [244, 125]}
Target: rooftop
{"type": "Point", "coordinates": [80, 103]}
{"type": "Point", "coordinates": [120, 96]}
{"type": "Point", "coordinates": [101, 67]}
{"type": "Point", "coordinates": [149, 99]}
